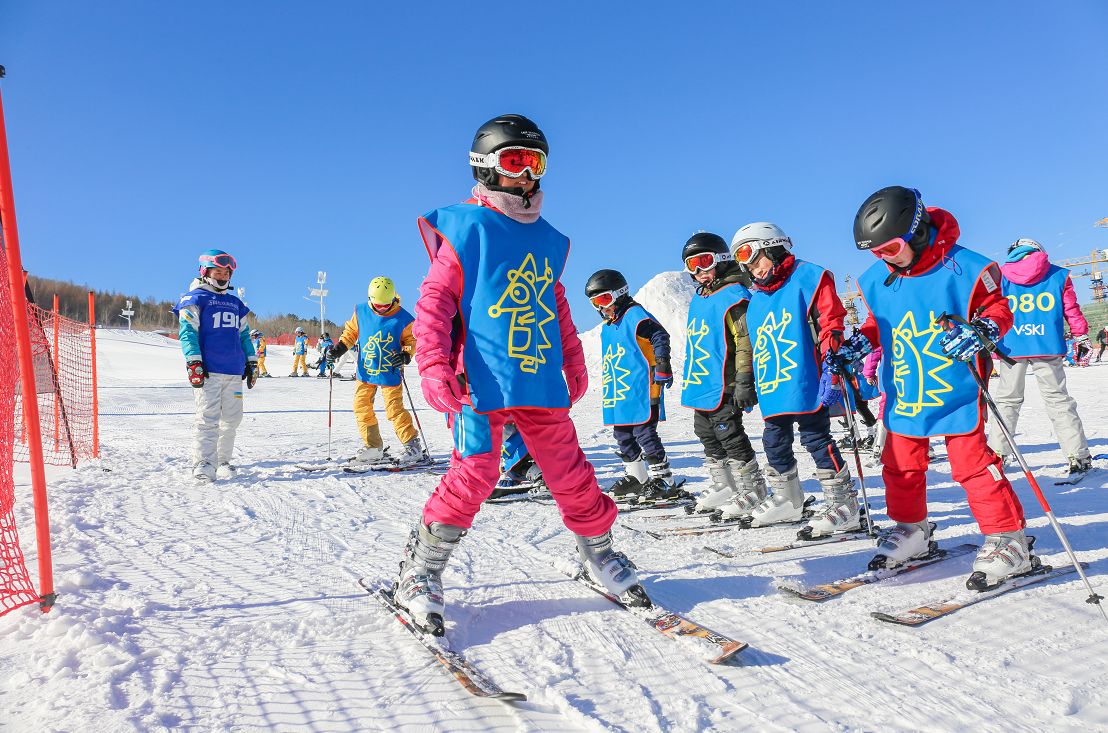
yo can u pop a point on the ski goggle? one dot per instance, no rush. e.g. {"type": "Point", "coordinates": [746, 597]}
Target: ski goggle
{"type": "Point", "coordinates": [603, 300]}
{"type": "Point", "coordinates": [706, 260]}
{"type": "Point", "coordinates": [890, 249]}
{"type": "Point", "coordinates": [512, 162]}
{"type": "Point", "coordinates": [223, 260]}
{"type": "Point", "coordinates": [748, 251]}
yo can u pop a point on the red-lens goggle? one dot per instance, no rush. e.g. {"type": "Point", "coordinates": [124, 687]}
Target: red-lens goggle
{"type": "Point", "coordinates": [705, 260]}
{"type": "Point", "coordinates": [747, 252]}
{"type": "Point", "coordinates": [889, 249]}
{"type": "Point", "coordinates": [223, 260]}
{"type": "Point", "coordinates": [603, 300]}
{"type": "Point", "coordinates": [512, 162]}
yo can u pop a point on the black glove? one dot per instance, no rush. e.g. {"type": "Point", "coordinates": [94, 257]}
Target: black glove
{"type": "Point", "coordinates": [250, 374]}
{"type": "Point", "coordinates": [663, 374]}
{"type": "Point", "coordinates": [405, 358]}
{"type": "Point", "coordinates": [336, 353]}
{"type": "Point", "coordinates": [744, 394]}
{"type": "Point", "coordinates": [197, 373]}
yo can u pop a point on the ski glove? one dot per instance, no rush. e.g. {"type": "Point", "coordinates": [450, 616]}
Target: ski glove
{"type": "Point", "coordinates": [663, 375]}
{"type": "Point", "coordinates": [336, 353]}
{"type": "Point", "coordinates": [577, 379]}
{"type": "Point", "coordinates": [849, 351]}
{"type": "Point", "coordinates": [963, 343]}
{"type": "Point", "coordinates": [250, 374]}
{"type": "Point", "coordinates": [197, 373]}
{"type": "Point", "coordinates": [744, 395]}
{"type": "Point", "coordinates": [830, 384]}
{"type": "Point", "coordinates": [441, 389]}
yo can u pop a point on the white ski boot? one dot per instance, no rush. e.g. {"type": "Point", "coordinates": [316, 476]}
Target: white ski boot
{"type": "Point", "coordinates": [368, 456]}
{"type": "Point", "coordinates": [204, 472]}
{"type": "Point", "coordinates": [906, 541]}
{"type": "Point", "coordinates": [412, 455]}
{"type": "Point", "coordinates": [611, 569]}
{"type": "Point", "coordinates": [721, 491]}
{"type": "Point", "coordinates": [1002, 556]}
{"type": "Point", "coordinates": [784, 504]}
{"type": "Point", "coordinates": [840, 510]}
{"type": "Point", "coordinates": [418, 590]}
{"type": "Point", "coordinates": [632, 482]}
{"type": "Point", "coordinates": [225, 471]}
{"type": "Point", "coordinates": [751, 489]}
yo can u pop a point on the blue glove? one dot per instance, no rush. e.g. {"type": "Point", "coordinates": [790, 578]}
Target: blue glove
{"type": "Point", "coordinates": [830, 384]}
{"type": "Point", "coordinates": [964, 343]}
{"type": "Point", "coordinates": [850, 351]}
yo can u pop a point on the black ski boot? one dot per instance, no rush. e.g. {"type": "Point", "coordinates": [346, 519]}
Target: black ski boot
{"type": "Point", "coordinates": [625, 488]}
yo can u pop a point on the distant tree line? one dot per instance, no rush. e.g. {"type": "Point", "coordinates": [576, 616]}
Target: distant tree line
{"type": "Point", "coordinates": [150, 315]}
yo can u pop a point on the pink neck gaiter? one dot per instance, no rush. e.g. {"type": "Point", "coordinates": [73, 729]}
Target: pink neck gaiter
{"type": "Point", "coordinates": [510, 204]}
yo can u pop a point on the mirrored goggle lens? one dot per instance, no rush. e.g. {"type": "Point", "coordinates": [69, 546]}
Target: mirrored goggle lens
{"type": "Point", "coordinates": [221, 261]}
{"type": "Point", "coordinates": [516, 161]}
{"type": "Point", "coordinates": [745, 253]}
{"type": "Point", "coordinates": [703, 261]}
{"type": "Point", "coordinates": [891, 248]}
{"type": "Point", "coordinates": [603, 300]}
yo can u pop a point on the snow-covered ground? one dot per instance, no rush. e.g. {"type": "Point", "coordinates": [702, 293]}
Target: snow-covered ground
{"type": "Point", "coordinates": [234, 606]}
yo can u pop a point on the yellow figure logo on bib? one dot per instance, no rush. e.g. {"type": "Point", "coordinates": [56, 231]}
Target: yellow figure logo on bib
{"type": "Point", "coordinates": [695, 354]}
{"type": "Point", "coordinates": [380, 355]}
{"type": "Point", "coordinates": [772, 364]}
{"type": "Point", "coordinates": [916, 366]}
{"type": "Point", "coordinates": [522, 299]}
{"type": "Point", "coordinates": [614, 380]}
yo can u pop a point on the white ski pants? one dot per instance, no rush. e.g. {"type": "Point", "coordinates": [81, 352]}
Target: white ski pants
{"type": "Point", "coordinates": [218, 414]}
{"type": "Point", "coordinates": [1060, 407]}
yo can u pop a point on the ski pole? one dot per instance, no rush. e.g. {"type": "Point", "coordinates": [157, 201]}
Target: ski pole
{"type": "Point", "coordinates": [330, 393]}
{"type": "Point", "coordinates": [857, 460]}
{"type": "Point", "coordinates": [404, 381]}
{"type": "Point", "coordinates": [1094, 598]}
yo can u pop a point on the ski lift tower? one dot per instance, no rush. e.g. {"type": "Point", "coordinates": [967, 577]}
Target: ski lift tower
{"type": "Point", "coordinates": [849, 298]}
{"type": "Point", "coordinates": [319, 292]}
{"type": "Point", "coordinates": [127, 313]}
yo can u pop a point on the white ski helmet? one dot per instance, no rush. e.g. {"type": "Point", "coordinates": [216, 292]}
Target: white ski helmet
{"type": "Point", "coordinates": [756, 237]}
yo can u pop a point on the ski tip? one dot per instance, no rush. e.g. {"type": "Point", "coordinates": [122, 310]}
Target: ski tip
{"type": "Point", "coordinates": [728, 652]}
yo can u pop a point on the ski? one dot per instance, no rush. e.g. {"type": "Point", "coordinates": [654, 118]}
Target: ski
{"type": "Point", "coordinates": [469, 676]}
{"type": "Point", "coordinates": [931, 611]}
{"type": "Point", "coordinates": [826, 591]}
{"type": "Point", "coordinates": [797, 544]}
{"type": "Point", "coordinates": [1075, 478]}
{"type": "Point", "coordinates": [673, 625]}
{"type": "Point", "coordinates": [432, 467]}
{"type": "Point", "coordinates": [663, 504]}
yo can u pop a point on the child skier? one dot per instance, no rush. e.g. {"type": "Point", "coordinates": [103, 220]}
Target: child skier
{"type": "Point", "coordinates": [495, 339]}
{"type": "Point", "coordinates": [299, 353]}
{"type": "Point", "coordinates": [257, 338]}
{"type": "Point", "coordinates": [923, 273]}
{"type": "Point", "coordinates": [324, 346]}
{"type": "Point", "coordinates": [1042, 300]}
{"type": "Point", "coordinates": [635, 349]}
{"type": "Point", "coordinates": [382, 329]}
{"type": "Point", "coordinates": [796, 322]}
{"type": "Point", "coordinates": [219, 355]}
{"type": "Point", "coordinates": [719, 383]}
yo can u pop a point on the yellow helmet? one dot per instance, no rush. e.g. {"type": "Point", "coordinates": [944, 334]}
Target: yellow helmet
{"type": "Point", "coordinates": [381, 291]}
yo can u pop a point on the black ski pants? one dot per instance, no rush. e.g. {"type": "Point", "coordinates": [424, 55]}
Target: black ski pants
{"type": "Point", "coordinates": [721, 432]}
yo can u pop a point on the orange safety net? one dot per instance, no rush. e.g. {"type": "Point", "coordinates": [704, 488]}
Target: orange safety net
{"type": "Point", "coordinates": [62, 355]}
{"type": "Point", "coordinates": [15, 584]}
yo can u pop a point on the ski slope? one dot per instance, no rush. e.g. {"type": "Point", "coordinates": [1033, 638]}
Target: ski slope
{"type": "Point", "coordinates": [233, 606]}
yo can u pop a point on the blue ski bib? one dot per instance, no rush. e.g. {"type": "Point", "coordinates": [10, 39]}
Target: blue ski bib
{"type": "Point", "coordinates": [1039, 329]}
{"type": "Point", "coordinates": [706, 347]}
{"type": "Point", "coordinates": [928, 394]}
{"type": "Point", "coordinates": [513, 348]}
{"type": "Point", "coordinates": [220, 331]}
{"type": "Point", "coordinates": [512, 450]}
{"type": "Point", "coordinates": [379, 345]}
{"type": "Point", "coordinates": [628, 375]}
{"type": "Point", "coordinates": [786, 360]}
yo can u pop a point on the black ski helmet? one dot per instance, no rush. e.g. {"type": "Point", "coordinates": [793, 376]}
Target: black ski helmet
{"type": "Point", "coordinates": [505, 131]}
{"type": "Point", "coordinates": [894, 211]}
{"type": "Point", "coordinates": [603, 281]}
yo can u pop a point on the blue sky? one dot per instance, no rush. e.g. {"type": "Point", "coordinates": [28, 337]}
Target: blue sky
{"type": "Point", "coordinates": [309, 136]}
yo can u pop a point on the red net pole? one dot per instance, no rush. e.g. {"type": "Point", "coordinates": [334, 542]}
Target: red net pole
{"type": "Point", "coordinates": [57, 407]}
{"type": "Point", "coordinates": [95, 398]}
{"type": "Point", "coordinates": [26, 370]}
